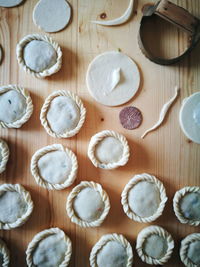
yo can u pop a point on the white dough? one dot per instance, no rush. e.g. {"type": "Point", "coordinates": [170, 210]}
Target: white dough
{"type": "Point", "coordinates": [55, 167]}
{"type": "Point", "coordinates": [50, 252]}
{"type": "Point", "coordinates": [109, 150]}
{"type": "Point", "coordinates": [51, 15]}
{"type": "Point", "coordinates": [190, 206]}
{"type": "Point", "coordinates": [189, 117]}
{"type": "Point", "coordinates": [12, 207]}
{"type": "Point", "coordinates": [155, 246]}
{"type": "Point", "coordinates": [113, 254]}
{"type": "Point", "coordinates": [10, 3]}
{"type": "Point", "coordinates": [12, 106]}
{"type": "Point", "coordinates": [88, 204]}
{"type": "Point", "coordinates": [194, 252]}
{"type": "Point", "coordinates": [39, 55]}
{"type": "Point", "coordinates": [63, 114]}
{"type": "Point", "coordinates": [113, 78]}
{"type": "Point", "coordinates": [144, 199]}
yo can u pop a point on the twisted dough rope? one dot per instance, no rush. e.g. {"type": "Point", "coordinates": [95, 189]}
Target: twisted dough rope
{"type": "Point", "coordinates": [185, 244]}
{"type": "Point", "coordinates": [5, 252]}
{"type": "Point", "coordinates": [20, 55]}
{"type": "Point", "coordinates": [147, 232]}
{"type": "Point", "coordinates": [176, 204]}
{"type": "Point", "coordinates": [42, 235]}
{"type": "Point", "coordinates": [124, 197]}
{"type": "Point", "coordinates": [73, 194]}
{"type": "Point", "coordinates": [36, 173]}
{"type": "Point", "coordinates": [25, 195]}
{"type": "Point", "coordinates": [45, 108]}
{"type": "Point", "coordinates": [100, 136]}
{"type": "Point", "coordinates": [29, 107]}
{"type": "Point", "coordinates": [4, 152]}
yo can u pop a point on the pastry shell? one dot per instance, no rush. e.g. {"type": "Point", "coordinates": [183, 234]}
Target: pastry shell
{"type": "Point", "coordinates": [5, 252]}
{"type": "Point", "coordinates": [4, 151]}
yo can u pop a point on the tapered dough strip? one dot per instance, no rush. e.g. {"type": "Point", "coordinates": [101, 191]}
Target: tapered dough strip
{"type": "Point", "coordinates": [124, 18]}
{"type": "Point", "coordinates": [163, 112]}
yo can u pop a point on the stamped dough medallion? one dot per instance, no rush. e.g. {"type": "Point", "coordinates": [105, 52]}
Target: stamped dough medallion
{"type": "Point", "coordinates": [62, 114]}
{"type": "Point", "coordinates": [10, 3]}
{"type": "Point", "coordinates": [51, 247]}
{"type": "Point", "coordinates": [111, 250]}
{"type": "Point", "coordinates": [16, 206]}
{"type": "Point", "coordinates": [113, 78]}
{"type": "Point", "coordinates": [186, 205]}
{"type": "Point", "coordinates": [4, 155]}
{"type": "Point", "coordinates": [16, 106]}
{"type": "Point", "coordinates": [4, 254]}
{"type": "Point", "coordinates": [54, 167]}
{"type": "Point", "coordinates": [190, 250]}
{"type": "Point", "coordinates": [88, 204]}
{"type": "Point", "coordinates": [108, 150]}
{"type": "Point", "coordinates": [143, 198]}
{"type": "Point", "coordinates": [39, 55]}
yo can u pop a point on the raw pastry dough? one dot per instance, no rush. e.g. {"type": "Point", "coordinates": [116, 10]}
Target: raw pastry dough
{"type": "Point", "coordinates": [52, 16]}
{"type": "Point", "coordinates": [54, 167]}
{"type": "Point", "coordinates": [4, 155]}
{"type": "Point", "coordinates": [62, 114]}
{"type": "Point", "coordinates": [16, 206]}
{"type": "Point", "coordinates": [88, 204]}
{"type": "Point", "coordinates": [112, 78]}
{"type": "Point", "coordinates": [4, 254]}
{"type": "Point", "coordinates": [112, 142]}
{"type": "Point", "coordinates": [190, 250]}
{"type": "Point", "coordinates": [49, 248]}
{"type": "Point", "coordinates": [189, 117]}
{"type": "Point", "coordinates": [186, 204]}
{"type": "Point", "coordinates": [112, 250]}
{"type": "Point", "coordinates": [154, 245]}
{"type": "Point", "coordinates": [144, 198]}
{"type": "Point", "coordinates": [39, 55]}
{"type": "Point", "coordinates": [10, 3]}
{"type": "Point", "coordinates": [16, 106]}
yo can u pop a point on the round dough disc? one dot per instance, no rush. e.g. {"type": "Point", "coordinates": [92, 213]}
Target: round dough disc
{"type": "Point", "coordinates": [112, 78]}
{"type": "Point", "coordinates": [189, 117]}
{"type": "Point", "coordinates": [52, 16]}
{"type": "Point", "coordinates": [10, 3]}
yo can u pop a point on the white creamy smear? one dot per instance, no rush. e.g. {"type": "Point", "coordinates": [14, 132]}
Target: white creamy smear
{"type": "Point", "coordinates": [113, 254]}
{"type": "Point", "coordinates": [194, 252]}
{"type": "Point", "coordinates": [88, 205]}
{"type": "Point", "coordinates": [12, 106]}
{"type": "Point", "coordinates": [155, 246]}
{"type": "Point", "coordinates": [39, 55]}
{"type": "Point", "coordinates": [190, 206]}
{"type": "Point", "coordinates": [10, 3]}
{"type": "Point", "coordinates": [12, 207]}
{"type": "Point", "coordinates": [109, 150]}
{"type": "Point", "coordinates": [55, 167]}
{"type": "Point", "coordinates": [112, 80]}
{"type": "Point", "coordinates": [63, 114]}
{"type": "Point", "coordinates": [144, 199]}
{"type": "Point", "coordinates": [50, 252]}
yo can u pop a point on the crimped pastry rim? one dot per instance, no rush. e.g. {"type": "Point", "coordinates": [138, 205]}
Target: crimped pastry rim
{"type": "Point", "coordinates": [4, 151]}
{"type": "Point", "coordinates": [5, 252]}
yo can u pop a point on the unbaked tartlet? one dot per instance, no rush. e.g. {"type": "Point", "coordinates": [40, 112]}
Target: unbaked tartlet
{"type": "Point", "coordinates": [62, 114]}
{"type": "Point", "coordinates": [186, 204]}
{"type": "Point", "coordinates": [143, 198]}
{"type": "Point", "coordinates": [39, 55]}
{"type": "Point", "coordinates": [54, 167]}
{"type": "Point", "coordinates": [108, 150]}
{"type": "Point", "coordinates": [4, 254]}
{"type": "Point", "coordinates": [51, 247]}
{"type": "Point", "coordinates": [88, 204]}
{"type": "Point", "coordinates": [16, 106]}
{"type": "Point", "coordinates": [154, 245]}
{"type": "Point", "coordinates": [112, 250]}
{"type": "Point", "coordinates": [4, 155]}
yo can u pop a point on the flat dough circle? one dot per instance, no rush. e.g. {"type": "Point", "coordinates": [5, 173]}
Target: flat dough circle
{"type": "Point", "coordinates": [10, 3]}
{"type": "Point", "coordinates": [112, 78]}
{"type": "Point", "coordinates": [189, 117]}
{"type": "Point", "coordinates": [52, 16]}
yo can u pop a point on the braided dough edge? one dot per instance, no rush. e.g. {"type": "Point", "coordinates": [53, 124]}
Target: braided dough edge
{"type": "Point", "coordinates": [177, 197]}
{"type": "Point", "coordinates": [124, 197]}
{"type": "Point", "coordinates": [105, 239]}
{"type": "Point", "coordinates": [29, 106]}
{"type": "Point", "coordinates": [145, 233]}
{"type": "Point", "coordinates": [35, 172]}
{"type": "Point", "coordinates": [20, 57]}
{"type": "Point", "coordinates": [97, 138]}
{"type": "Point", "coordinates": [72, 195]}
{"type": "Point", "coordinates": [43, 234]}
{"type": "Point", "coordinates": [26, 197]}
{"type": "Point", "coordinates": [4, 151]}
{"type": "Point", "coordinates": [45, 108]}
{"type": "Point", "coordinates": [5, 252]}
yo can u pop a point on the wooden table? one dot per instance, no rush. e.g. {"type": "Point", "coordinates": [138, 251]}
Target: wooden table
{"type": "Point", "coordinates": [166, 153]}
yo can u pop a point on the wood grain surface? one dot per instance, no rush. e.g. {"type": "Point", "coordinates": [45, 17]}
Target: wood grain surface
{"type": "Point", "coordinates": [165, 153]}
